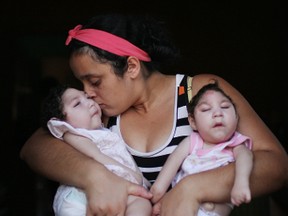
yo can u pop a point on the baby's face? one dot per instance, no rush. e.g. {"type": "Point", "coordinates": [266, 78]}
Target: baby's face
{"type": "Point", "coordinates": [80, 110]}
{"type": "Point", "coordinates": [215, 117]}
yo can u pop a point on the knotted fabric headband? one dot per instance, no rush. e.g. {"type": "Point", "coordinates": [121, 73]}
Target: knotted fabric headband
{"type": "Point", "coordinates": [108, 42]}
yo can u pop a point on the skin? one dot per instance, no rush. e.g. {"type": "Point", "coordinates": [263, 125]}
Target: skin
{"type": "Point", "coordinates": [80, 110]}
{"type": "Point", "coordinates": [214, 118]}
{"type": "Point", "coordinates": [144, 128]}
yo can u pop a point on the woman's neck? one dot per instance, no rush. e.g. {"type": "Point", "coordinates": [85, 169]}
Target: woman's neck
{"type": "Point", "coordinates": [157, 84]}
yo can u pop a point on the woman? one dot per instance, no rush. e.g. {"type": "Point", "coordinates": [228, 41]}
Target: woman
{"type": "Point", "coordinates": [118, 59]}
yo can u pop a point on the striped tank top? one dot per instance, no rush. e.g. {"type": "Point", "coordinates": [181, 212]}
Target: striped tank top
{"type": "Point", "coordinates": [151, 163]}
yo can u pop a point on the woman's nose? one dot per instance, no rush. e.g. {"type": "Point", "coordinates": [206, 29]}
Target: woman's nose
{"type": "Point", "coordinates": [90, 92]}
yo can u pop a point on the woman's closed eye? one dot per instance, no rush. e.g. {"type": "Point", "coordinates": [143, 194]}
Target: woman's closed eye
{"type": "Point", "coordinates": [95, 83]}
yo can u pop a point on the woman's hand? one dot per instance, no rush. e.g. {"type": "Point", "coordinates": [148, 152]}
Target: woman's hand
{"type": "Point", "coordinates": [109, 196]}
{"type": "Point", "coordinates": [178, 201]}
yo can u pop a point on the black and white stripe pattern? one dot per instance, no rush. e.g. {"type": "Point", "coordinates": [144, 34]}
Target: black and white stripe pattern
{"type": "Point", "coordinates": [152, 162]}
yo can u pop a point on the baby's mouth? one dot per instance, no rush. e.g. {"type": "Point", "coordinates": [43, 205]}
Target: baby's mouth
{"type": "Point", "coordinates": [218, 125]}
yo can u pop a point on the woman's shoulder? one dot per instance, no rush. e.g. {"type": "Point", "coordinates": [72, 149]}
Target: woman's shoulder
{"type": "Point", "coordinates": [200, 80]}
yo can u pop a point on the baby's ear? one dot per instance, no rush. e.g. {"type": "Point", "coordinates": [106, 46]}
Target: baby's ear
{"type": "Point", "coordinates": [192, 122]}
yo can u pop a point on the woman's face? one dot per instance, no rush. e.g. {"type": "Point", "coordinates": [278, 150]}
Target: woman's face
{"type": "Point", "coordinates": [111, 92]}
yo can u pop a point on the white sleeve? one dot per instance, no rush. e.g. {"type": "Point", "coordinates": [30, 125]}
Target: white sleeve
{"type": "Point", "coordinates": [58, 128]}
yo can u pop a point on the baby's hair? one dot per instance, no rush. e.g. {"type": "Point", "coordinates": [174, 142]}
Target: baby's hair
{"type": "Point", "coordinates": [52, 106]}
{"type": "Point", "coordinates": [196, 98]}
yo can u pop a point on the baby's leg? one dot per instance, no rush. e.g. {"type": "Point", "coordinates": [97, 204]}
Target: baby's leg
{"type": "Point", "coordinates": [138, 206]}
{"type": "Point", "coordinates": [69, 201]}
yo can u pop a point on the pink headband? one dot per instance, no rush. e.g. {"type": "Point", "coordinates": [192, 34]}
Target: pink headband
{"type": "Point", "coordinates": [108, 42]}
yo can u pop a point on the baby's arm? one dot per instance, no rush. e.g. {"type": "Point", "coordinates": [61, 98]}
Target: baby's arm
{"type": "Point", "coordinates": [169, 170]}
{"type": "Point", "coordinates": [89, 148]}
{"type": "Point", "coordinates": [85, 145]}
{"type": "Point", "coordinates": [243, 166]}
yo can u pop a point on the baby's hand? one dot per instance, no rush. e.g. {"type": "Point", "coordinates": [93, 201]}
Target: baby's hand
{"type": "Point", "coordinates": [239, 196]}
{"type": "Point", "coordinates": [157, 192]}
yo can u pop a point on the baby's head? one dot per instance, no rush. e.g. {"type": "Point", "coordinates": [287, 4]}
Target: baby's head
{"type": "Point", "coordinates": [209, 87]}
{"type": "Point", "coordinates": [72, 106]}
{"type": "Point", "coordinates": [212, 114]}
{"type": "Point", "coordinates": [52, 106]}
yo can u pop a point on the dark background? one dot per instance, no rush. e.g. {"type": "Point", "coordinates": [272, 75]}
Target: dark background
{"type": "Point", "coordinates": [244, 42]}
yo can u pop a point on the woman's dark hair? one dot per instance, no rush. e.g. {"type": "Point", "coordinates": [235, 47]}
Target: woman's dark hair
{"type": "Point", "coordinates": [52, 106]}
{"type": "Point", "coordinates": [196, 98]}
{"type": "Point", "coordinates": [143, 31]}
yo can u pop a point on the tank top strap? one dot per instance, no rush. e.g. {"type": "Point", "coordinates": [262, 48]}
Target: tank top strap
{"type": "Point", "coordinates": [196, 143]}
{"type": "Point", "coordinates": [189, 87]}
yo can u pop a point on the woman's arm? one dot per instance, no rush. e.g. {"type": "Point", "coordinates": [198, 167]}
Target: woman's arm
{"type": "Point", "coordinates": [55, 159]}
{"type": "Point", "coordinates": [58, 161]}
{"type": "Point", "coordinates": [269, 172]}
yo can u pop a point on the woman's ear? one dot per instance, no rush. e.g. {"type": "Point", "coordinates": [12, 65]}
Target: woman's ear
{"type": "Point", "coordinates": [192, 122]}
{"type": "Point", "coordinates": [134, 66]}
